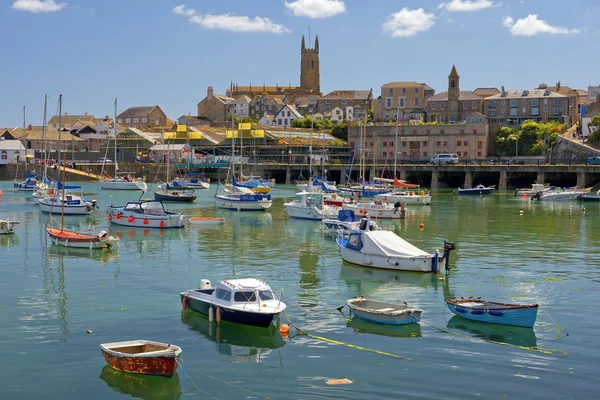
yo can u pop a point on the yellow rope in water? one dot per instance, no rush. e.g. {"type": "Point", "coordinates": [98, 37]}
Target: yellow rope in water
{"type": "Point", "coordinates": [352, 346]}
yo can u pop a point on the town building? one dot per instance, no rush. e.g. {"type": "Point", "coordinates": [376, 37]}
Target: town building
{"type": "Point", "coordinates": [286, 115]}
{"type": "Point", "coordinates": [67, 120]}
{"type": "Point", "coordinates": [192, 120]}
{"type": "Point", "coordinates": [455, 104]}
{"type": "Point", "coordinates": [513, 107]}
{"type": "Point", "coordinates": [574, 102]}
{"type": "Point", "coordinates": [469, 139]}
{"type": "Point", "coordinates": [144, 117]}
{"type": "Point", "coordinates": [269, 104]}
{"type": "Point", "coordinates": [32, 139]}
{"type": "Point", "coordinates": [586, 129]}
{"type": "Point", "coordinates": [486, 92]}
{"type": "Point", "coordinates": [358, 102]}
{"type": "Point", "coordinates": [214, 107]}
{"type": "Point", "coordinates": [583, 97]}
{"type": "Point", "coordinates": [266, 120]}
{"type": "Point", "coordinates": [336, 115]}
{"type": "Point", "coordinates": [407, 97]}
{"type": "Point", "coordinates": [240, 107]}
{"type": "Point", "coordinates": [593, 93]}
{"type": "Point", "coordinates": [11, 151]}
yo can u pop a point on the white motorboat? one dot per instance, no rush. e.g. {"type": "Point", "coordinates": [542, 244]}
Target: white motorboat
{"type": "Point", "coordinates": [7, 227]}
{"type": "Point", "coordinates": [406, 197]}
{"type": "Point", "coordinates": [347, 222]}
{"type": "Point", "coordinates": [243, 199]}
{"type": "Point", "coordinates": [244, 301]}
{"type": "Point", "coordinates": [376, 209]}
{"type": "Point", "coordinates": [72, 204]}
{"type": "Point", "coordinates": [145, 214]}
{"type": "Point", "coordinates": [559, 194]}
{"type": "Point", "coordinates": [533, 190]}
{"type": "Point", "coordinates": [309, 205]}
{"type": "Point", "coordinates": [385, 250]}
{"type": "Point", "coordinates": [126, 182]}
{"type": "Point", "coordinates": [384, 313]}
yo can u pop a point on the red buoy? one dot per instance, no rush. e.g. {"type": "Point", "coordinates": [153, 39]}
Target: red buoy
{"type": "Point", "coordinates": [130, 219]}
{"type": "Point", "coordinates": [162, 223]}
{"type": "Point", "coordinates": [145, 222]}
{"type": "Point", "coordinates": [110, 217]}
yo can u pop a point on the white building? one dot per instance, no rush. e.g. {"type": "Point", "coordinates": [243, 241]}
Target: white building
{"type": "Point", "coordinates": [11, 150]}
{"type": "Point", "coordinates": [240, 107]}
{"type": "Point", "coordinates": [337, 115]}
{"type": "Point", "coordinates": [266, 120]}
{"type": "Point", "coordinates": [349, 114]}
{"type": "Point", "coordinates": [586, 130]}
{"type": "Point", "coordinates": [286, 115]}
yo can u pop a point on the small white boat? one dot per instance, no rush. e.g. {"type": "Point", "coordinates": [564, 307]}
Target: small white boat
{"type": "Point", "coordinates": [559, 195]}
{"type": "Point", "coordinates": [309, 205]}
{"type": "Point", "coordinates": [533, 190]}
{"type": "Point", "coordinates": [72, 204]}
{"type": "Point", "coordinates": [385, 250]}
{"type": "Point", "coordinates": [384, 313]}
{"type": "Point", "coordinates": [243, 199]}
{"type": "Point", "coordinates": [406, 197]}
{"type": "Point", "coordinates": [346, 222]}
{"type": "Point", "coordinates": [7, 226]}
{"type": "Point", "coordinates": [205, 221]}
{"type": "Point", "coordinates": [127, 182]}
{"type": "Point", "coordinates": [376, 209]}
{"type": "Point", "coordinates": [145, 214]}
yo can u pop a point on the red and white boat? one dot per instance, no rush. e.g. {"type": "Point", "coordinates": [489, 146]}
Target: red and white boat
{"type": "Point", "coordinates": [63, 237]}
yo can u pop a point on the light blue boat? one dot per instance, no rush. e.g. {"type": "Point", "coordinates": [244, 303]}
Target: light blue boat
{"type": "Point", "coordinates": [384, 313]}
{"type": "Point", "coordinates": [522, 315]}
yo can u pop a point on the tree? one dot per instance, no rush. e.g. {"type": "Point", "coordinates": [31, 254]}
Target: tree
{"type": "Point", "coordinates": [506, 141]}
{"type": "Point", "coordinates": [594, 137]}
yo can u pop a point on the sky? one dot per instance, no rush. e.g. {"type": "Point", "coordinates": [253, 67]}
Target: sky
{"type": "Point", "coordinates": [167, 52]}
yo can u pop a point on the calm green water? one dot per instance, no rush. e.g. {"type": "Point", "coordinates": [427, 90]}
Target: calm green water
{"type": "Point", "coordinates": [50, 297]}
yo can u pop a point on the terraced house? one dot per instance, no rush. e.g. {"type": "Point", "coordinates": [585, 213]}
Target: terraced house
{"type": "Point", "coordinates": [406, 97]}
{"type": "Point", "coordinates": [144, 117]}
{"type": "Point", "coordinates": [513, 107]}
{"type": "Point", "coordinates": [353, 103]}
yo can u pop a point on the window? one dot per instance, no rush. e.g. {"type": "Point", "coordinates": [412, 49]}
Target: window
{"type": "Point", "coordinates": [384, 144]}
{"type": "Point", "coordinates": [503, 110]}
{"type": "Point", "coordinates": [465, 143]}
{"type": "Point", "coordinates": [285, 121]}
{"type": "Point", "coordinates": [479, 154]}
{"type": "Point", "coordinates": [452, 105]}
{"type": "Point", "coordinates": [480, 144]}
{"type": "Point", "coordinates": [289, 113]}
{"type": "Point", "coordinates": [403, 144]}
{"type": "Point", "coordinates": [127, 120]}
{"type": "Point", "coordinates": [442, 105]}
{"type": "Point", "coordinates": [438, 143]}
{"type": "Point", "coordinates": [425, 144]}
{"type": "Point", "coordinates": [344, 101]}
{"type": "Point", "coordinates": [513, 103]}
{"type": "Point", "coordinates": [3, 155]}
{"type": "Point", "coordinates": [416, 101]}
{"type": "Point", "coordinates": [385, 153]}
{"type": "Point", "coordinates": [445, 143]}
{"type": "Point", "coordinates": [337, 112]}
{"type": "Point", "coordinates": [452, 84]}
{"type": "Point", "coordinates": [535, 111]}
{"type": "Point", "coordinates": [120, 120]}
{"type": "Point", "coordinates": [403, 154]}
{"type": "Point", "coordinates": [535, 102]}
{"type": "Point", "coordinates": [556, 110]}
{"type": "Point", "coordinates": [279, 121]}
{"type": "Point", "coordinates": [327, 101]}
{"type": "Point", "coordinates": [492, 103]}
{"type": "Point", "coordinates": [545, 110]}
{"type": "Point", "coordinates": [524, 101]}
{"type": "Point", "coordinates": [462, 131]}
{"type": "Point", "coordinates": [473, 105]}
{"type": "Point", "coordinates": [136, 120]}
{"type": "Point", "coordinates": [433, 106]}
{"type": "Point", "coordinates": [402, 101]}
{"type": "Point", "coordinates": [524, 110]}
{"type": "Point", "coordinates": [244, 297]}
{"type": "Point", "coordinates": [464, 105]}
{"type": "Point", "coordinates": [556, 102]}
{"type": "Point", "coordinates": [428, 131]}
{"type": "Point", "coordinates": [266, 295]}
{"type": "Point", "coordinates": [424, 154]}
{"type": "Point", "coordinates": [513, 112]}
{"type": "Point", "coordinates": [157, 122]}
{"type": "Point", "coordinates": [391, 144]}
{"type": "Point", "coordinates": [458, 143]}
{"type": "Point", "coordinates": [391, 91]}
{"type": "Point", "coordinates": [328, 108]}
{"type": "Point", "coordinates": [223, 294]}
{"type": "Point", "coordinates": [388, 102]}
{"type": "Point", "coordinates": [545, 101]}
{"type": "Point", "coordinates": [417, 90]}
{"type": "Point", "coordinates": [403, 90]}
{"type": "Point", "coordinates": [474, 131]}
{"type": "Point", "coordinates": [466, 154]}
{"type": "Point", "coordinates": [503, 102]}
{"type": "Point", "coordinates": [442, 131]}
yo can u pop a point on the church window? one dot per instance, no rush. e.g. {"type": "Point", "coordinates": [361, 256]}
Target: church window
{"type": "Point", "coordinates": [442, 105]}
{"type": "Point", "coordinates": [464, 105]}
{"type": "Point", "coordinates": [312, 65]}
{"type": "Point", "coordinates": [452, 84]}
{"type": "Point", "coordinates": [452, 105]}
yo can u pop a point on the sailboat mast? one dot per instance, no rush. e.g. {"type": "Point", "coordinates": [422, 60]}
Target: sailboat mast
{"type": "Point", "coordinates": [59, 129]}
{"type": "Point", "coordinates": [232, 148]}
{"type": "Point", "coordinates": [364, 143]}
{"type": "Point", "coordinates": [241, 150]}
{"type": "Point", "coordinates": [396, 139]}
{"type": "Point", "coordinates": [312, 123]}
{"type": "Point", "coordinates": [62, 207]}
{"type": "Point", "coordinates": [168, 160]}
{"type": "Point", "coordinates": [115, 124]}
{"type": "Point", "coordinates": [44, 157]}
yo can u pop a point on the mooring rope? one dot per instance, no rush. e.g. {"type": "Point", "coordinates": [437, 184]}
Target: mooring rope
{"type": "Point", "coordinates": [557, 325]}
{"type": "Point", "coordinates": [179, 362]}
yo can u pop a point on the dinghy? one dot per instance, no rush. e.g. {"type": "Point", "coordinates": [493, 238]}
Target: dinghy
{"type": "Point", "coordinates": [63, 237]}
{"type": "Point", "coordinates": [142, 357]}
{"type": "Point", "coordinates": [523, 315]}
{"type": "Point", "coordinates": [384, 313]}
{"type": "Point", "coordinates": [7, 226]}
{"type": "Point", "coordinates": [205, 220]}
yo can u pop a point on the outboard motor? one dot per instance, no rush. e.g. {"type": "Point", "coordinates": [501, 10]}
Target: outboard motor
{"type": "Point", "coordinates": [364, 224]}
{"type": "Point", "coordinates": [536, 196]}
{"type": "Point", "coordinates": [448, 247]}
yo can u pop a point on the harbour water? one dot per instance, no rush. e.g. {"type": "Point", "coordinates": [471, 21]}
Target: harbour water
{"type": "Point", "coordinates": [549, 254]}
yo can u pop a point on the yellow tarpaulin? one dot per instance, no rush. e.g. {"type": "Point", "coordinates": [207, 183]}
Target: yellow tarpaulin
{"type": "Point", "coordinates": [183, 135]}
{"type": "Point", "coordinates": [181, 128]}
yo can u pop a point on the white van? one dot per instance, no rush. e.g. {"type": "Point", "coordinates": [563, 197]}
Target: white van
{"type": "Point", "coordinates": [441, 159]}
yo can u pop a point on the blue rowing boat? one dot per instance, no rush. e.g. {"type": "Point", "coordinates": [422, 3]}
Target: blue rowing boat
{"type": "Point", "coordinates": [522, 315]}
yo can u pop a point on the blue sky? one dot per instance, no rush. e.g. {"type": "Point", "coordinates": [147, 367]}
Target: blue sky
{"type": "Point", "coordinates": [167, 52]}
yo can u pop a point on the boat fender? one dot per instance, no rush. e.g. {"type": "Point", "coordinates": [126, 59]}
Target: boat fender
{"type": "Point", "coordinates": [130, 219]}
{"type": "Point", "coordinates": [422, 193]}
{"type": "Point", "coordinates": [162, 223]}
{"type": "Point", "coordinates": [460, 309]}
{"type": "Point", "coordinates": [210, 314]}
{"type": "Point", "coordinates": [118, 216]}
{"type": "Point", "coordinates": [497, 313]}
{"type": "Point", "coordinates": [218, 315]}
{"type": "Point", "coordinates": [145, 222]}
{"type": "Point", "coordinates": [385, 198]}
{"type": "Point", "coordinates": [110, 217]}
{"type": "Point", "coordinates": [476, 312]}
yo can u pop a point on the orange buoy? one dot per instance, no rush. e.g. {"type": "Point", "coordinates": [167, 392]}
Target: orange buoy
{"type": "Point", "coordinates": [284, 329]}
{"type": "Point", "coordinates": [421, 225]}
{"type": "Point", "coordinates": [110, 217]}
{"type": "Point", "coordinates": [118, 216]}
{"type": "Point", "coordinates": [145, 222]}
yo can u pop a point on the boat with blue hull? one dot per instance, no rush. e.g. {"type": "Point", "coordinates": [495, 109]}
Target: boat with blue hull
{"type": "Point", "coordinates": [243, 301]}
{"type": "Point", "coordinates": [479, 189]}
{"type": "Point", "coordinates": [29, 184]}
{"type": "Point", "coordinates": [243, 199]}
{"type": "Point", "coordinates": [523, 315]}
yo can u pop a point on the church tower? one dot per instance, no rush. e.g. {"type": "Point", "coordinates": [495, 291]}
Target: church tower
{"type": "Point", "coordinates": [310, 79]}
{"type": "Point", "coordinates": [453, 106]}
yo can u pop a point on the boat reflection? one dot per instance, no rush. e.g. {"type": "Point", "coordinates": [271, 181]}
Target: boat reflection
{"type": "Point", "coordinates": [240, 343]}
{"type": "Point", "coordinates": [516, 336]}
{"type": "Point", "coordinates": [399, 331]}
{"type": "Point", "coordinates": [142, 386]}
{"type": "Point", "coordinates": [9, 240]}
{"type": "Point", "coordinates": [103, 255]}
{"type": "Point", "coordinates": [368, 280]}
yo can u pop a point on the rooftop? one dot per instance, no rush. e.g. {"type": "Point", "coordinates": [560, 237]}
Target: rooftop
{"type": "Point", "coordinates": [408, 84]}
{"type": "Point", "coordinates": [526, 94]}
{"type": "Point", "coordinates": [137, 112]}
{"type": "Point", "coordinates": [464, 95]}
{"type": "Point", "coordinates": [11, 145]}
{"type": "Point", "coordinates": [349, 94]}
{"type": "Point", "coordinates": [486, 92]}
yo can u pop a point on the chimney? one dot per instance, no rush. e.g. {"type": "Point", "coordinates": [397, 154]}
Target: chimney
{"type": "Point", "coordinates": [228, 93]}
{"type": "Point", "coordinates": [85, 113]}
{"type": "Point", "coordinates": [30, 128]}
{"type": "Point", "coordinates": [209, 93]}
{"type": "Point", "coordinates": [66, 114]}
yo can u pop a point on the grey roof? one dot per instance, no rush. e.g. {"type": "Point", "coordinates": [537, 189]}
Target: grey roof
{"type": "Point", "coordinates": [11, 145]}
{"type": "Point", "coordinates": [526, 94]}
{"type": "Point", "coordinates": [137, 112]}
{"type": "Point", "coordinates": [464, 95]}
{"type": "Point", "coordinates": [349, 94]}
{"type": "Point", "coordinates": [292, 109]}
{"type": "Point", "coordinates": [242, 100]}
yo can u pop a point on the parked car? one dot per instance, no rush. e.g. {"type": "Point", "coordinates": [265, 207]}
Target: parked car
{"type": "Point", "coordinates": [594, 160]}
{"type": "Point", "coordinates": [442, 159]}
{"type": "Point", "coordinates": [104, 160]}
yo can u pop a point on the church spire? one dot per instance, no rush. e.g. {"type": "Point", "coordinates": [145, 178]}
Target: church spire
{"type": "Point", "coordinates": [317, 43]}
{"type": "Point", "coordinates": [453, 73]}
{"type": "Point", "coordinates": [303, 44]}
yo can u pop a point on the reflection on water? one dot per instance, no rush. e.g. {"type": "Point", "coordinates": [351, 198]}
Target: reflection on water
{"type": "Point", "coordinates": [142, 386]}
{"type": "Point", "coordinates": [240, 343]}
{"type": "Point", "coordinates": [513, 335]}
{"type": "Point", "coordinates": [399, 331]}
{"type": "Point", "coordinates": [9, 240]}
{"type": "Point", "coordinates": [60, 252]}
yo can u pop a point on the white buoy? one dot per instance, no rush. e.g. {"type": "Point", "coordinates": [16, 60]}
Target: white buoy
{"type": "Point", "coordinates": [521, 212]}
{"type": "Point", "coordinates": [210, 314]}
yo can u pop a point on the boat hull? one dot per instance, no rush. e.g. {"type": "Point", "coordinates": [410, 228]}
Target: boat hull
{"type": "Point", "coordinates": [415, 199]}
{"type": "Point", "coordinates": [7, 227]}
{"type": "Point", "coordinates": [239, 317]}
{"type": "Point", "coordinates": [119, 217]}
{"type": "Point", "coordinates": [522, 317]}
{"type": "Point", "coordinates": [588, 198]}
{"type": "Point", "coordinates": [179, 198]}
{"type": "Point", "coordinates": [108, 185]}
{"type": "Point", "coordinates": [241, 205]}
{"type": "Point", "coordinates": [402, 319]}
{"type": "Point", "coordinates": [82, 241]}
{"type": "Point", "coordinates": [473, 192]}
{"type": "Point", "coordinates": [416, 264]}
{"type": "Point", "coordinates": [160, 359]}
{"type": "Point", "coordinates": [68, 209]}
{"type": "Point", "coordinates": [561, 196]}
{"type": "Point", "coordinates": [376, 212]}
{"type": "Point", "coordinates": [312, 213]}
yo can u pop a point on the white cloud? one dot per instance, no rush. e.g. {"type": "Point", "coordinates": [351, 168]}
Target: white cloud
{"type": "Point", "coordinates": [531, 26]}
{"type": "Point", "coordinates": [228, 22]}
{"type": "Point", "coordinates": [408, 22]}
{"type": "Point", "coordinates": [316, 8]}
{"type": "Point", "coordinates": [468, 5]}
{"type": "Point", "coordinates": [38, 6]}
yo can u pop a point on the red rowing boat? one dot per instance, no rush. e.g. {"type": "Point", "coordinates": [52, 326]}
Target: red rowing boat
{"type": "Point", "coordinates": [69, 238]}
{"type": "Point", "coordinates": [142, 357]}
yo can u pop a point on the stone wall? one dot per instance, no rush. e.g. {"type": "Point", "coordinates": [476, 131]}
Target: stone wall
{"type": "Point", "coordinates": [566, 149]}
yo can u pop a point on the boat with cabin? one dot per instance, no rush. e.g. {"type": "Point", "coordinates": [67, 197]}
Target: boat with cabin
{"type": "Point", "coordinates": [558, 194]}
{"type": "Point", "coordinates": [376, 209]}
{"type": "Point", "coordinates": [407, 197]}
{"type": "Point", "coordinates": [64, 199]}
{"type": "Point", "coordinates": [175, 191]}
{"type": "Point", "coordinates": [125, 182]}
{"type": "Point", "coordinates": [533, 190]}
{"type": "Point", "coordinates": [347, 222]}
{"type": "Point", "coordinates": [479, 189]}
{"type": "Point", "coordinates": [242, 199]}
{"type": "Point", "coordinates": [309, 205]}
{"type": "Point", "coordinates": [145, 214]}
{"type": "Point", "coordinates": [248, 301]}
{"type": "Point", "coordinates": [28, 185]}
{"type": "Point", "coordinates": [589, 197]}
{"type": "Point", "coordinates": [142, 357]}
{"type": "Point", "coordinates": [384, 313]}
{"type": "Point", "coordinates": [476, 309]}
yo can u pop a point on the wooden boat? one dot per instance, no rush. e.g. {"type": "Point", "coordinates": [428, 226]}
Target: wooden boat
{"type": "Point", "coordinates": [142, 357]}
{"type": "Point", "coordinates": [205, 220]}
{"type": "Point", "coordinates": [479, 189]}
{"type": "Point", "coordinates": [523, 315]}
{"type": "Point", "coordinates": [7, 226]}
{"type": "Point", "coordinates": [384, 313]}
{"type": "Point", "coordinates": [63, 237]}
